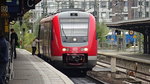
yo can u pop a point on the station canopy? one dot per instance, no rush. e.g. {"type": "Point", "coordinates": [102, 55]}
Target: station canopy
{"type": "Point", "coordinates": [139, 25]}
{"type": "Point", "coordinates": [17, 8]}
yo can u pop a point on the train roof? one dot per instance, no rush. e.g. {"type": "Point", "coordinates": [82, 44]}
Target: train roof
{"type": "Point", "coordinates": [46, 19]}
{"type": "Point", "coordinates": [73, 14]}
{"type": "Point", "coordinates": [71, 9]}
{"type": "Point", "coordinates": [66, 14]}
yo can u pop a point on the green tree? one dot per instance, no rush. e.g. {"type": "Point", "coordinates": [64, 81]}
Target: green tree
{"type": "Point", "coordinates": [102, 31]}
{"type": "Point", "coordinates": [27, 41]}
{"type": "Point", "coordinates": [24, 37]}
{"type": "Point", "coordinates": [26, 18]}
{"type": "Point", "coordinates": [16, 26]}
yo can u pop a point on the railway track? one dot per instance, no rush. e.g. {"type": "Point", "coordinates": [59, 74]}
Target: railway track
{"type": "Point", "coordinates": [80, 76]}
{"type": "Point", "coordinates": [84, 80]}
{"type": "Point", "coordinates": [136, 75]}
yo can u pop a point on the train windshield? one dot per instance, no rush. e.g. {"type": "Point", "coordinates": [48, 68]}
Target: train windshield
{"type": "Point", "coordinates": [74, 30]}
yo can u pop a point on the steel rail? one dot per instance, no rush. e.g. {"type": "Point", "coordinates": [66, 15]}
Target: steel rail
{"type": "Point", "coordinates": [128, 70]}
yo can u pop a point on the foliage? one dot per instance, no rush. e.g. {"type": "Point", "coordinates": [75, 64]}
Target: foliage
{"type": "Point", "coordinates": [26, 18]}
{"type": "Point", "coordinates": [27, 41]}
{"type": "Point", "coordinates": [102, 31]}
{"type": "Point", "coordinates": [18, 29]}
{"type": "Point", "coordinates": [28, 37]}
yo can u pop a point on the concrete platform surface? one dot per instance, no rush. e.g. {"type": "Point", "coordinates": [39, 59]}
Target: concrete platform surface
{"type": "Point", "coordinates": [144, 58]}
{"type": "Point", "coordinates": [30, 69]}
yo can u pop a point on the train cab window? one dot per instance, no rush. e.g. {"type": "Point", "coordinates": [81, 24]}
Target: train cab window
{"type": "Point", "coordinates": [74, 30]}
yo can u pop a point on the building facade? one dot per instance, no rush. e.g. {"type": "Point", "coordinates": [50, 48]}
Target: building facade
{"type": "Point", "coordinates": [108, 10]}
{"type": "Point", "coordinates": [130, 9]}
{"type": "Point", "coordinates": [52, 6]}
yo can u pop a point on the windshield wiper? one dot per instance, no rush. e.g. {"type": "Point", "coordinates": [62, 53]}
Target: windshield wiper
{"type": "Point", "coordinates": [64, 32]}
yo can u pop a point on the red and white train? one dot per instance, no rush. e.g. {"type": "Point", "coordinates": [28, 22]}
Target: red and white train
{"type": "Point", "coordinates": [69, 39]}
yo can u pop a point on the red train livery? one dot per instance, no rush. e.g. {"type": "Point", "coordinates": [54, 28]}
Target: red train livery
{"type": "Point", "coordinates": [69, 39]}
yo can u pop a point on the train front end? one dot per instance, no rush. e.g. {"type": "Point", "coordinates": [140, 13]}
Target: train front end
{"type": "Point", "coordinates": [78, 43]}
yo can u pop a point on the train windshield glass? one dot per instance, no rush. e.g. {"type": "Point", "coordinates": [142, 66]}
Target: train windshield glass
{"type": "Point", "coordinates": [74, 30]}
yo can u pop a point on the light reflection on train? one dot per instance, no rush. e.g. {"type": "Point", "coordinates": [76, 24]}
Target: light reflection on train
{"type": "Point", "coordinates": [69, 39]}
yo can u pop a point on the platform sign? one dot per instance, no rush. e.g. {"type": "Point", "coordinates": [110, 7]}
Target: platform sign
{"type": "Point", "coordinates": [6, 29]}
{"type": "Point", "coordinates": [13, 6]}
{"type": "Point", "coordinates": [6, 25]}
{"type": "Point", "coordinates": [4, 11]}
{"type": "Point", "coordinates": [134, 36]}
{"type": "Point", "coordinates": [8, 0]}
{"type": "Point", "coordinates": [29, 4]}
{"type": "Point", "coordinates": [4, 14]}
{"type": "Point", "coordinates": [6, 22]}
{"type": "Point", "coordinates": [131, 32]}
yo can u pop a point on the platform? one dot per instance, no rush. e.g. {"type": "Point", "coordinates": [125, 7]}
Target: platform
{"type": "Point", "coordinates": [143, 58]}
{"type": "Point", "coordinates": [29, 69]}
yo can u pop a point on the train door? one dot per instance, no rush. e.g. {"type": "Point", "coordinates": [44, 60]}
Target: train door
{"type": "Point", "coordinates": [41, 35]}
{"type": "Point", "coordinates": [49, 39]}
{"type": "Point", "coordinates": [46, 39]}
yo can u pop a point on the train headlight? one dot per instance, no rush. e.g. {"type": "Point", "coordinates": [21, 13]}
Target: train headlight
{"type": "Point", "coordinates": [65, 49]}
{"type": "Point", "coordinates": [74, 39]}
{"type": "Point", "coordinates": [84, 49]}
